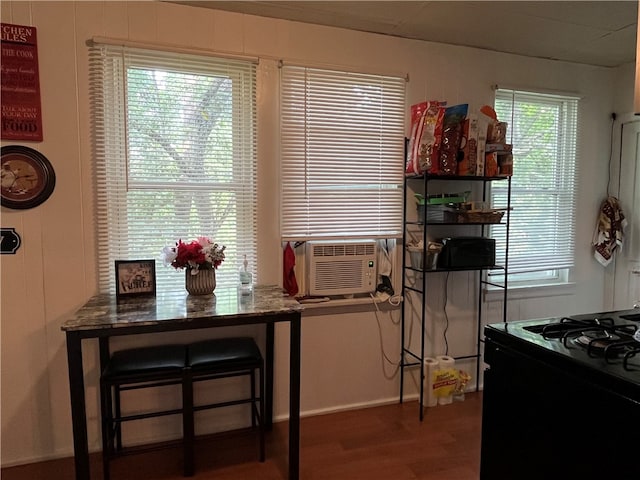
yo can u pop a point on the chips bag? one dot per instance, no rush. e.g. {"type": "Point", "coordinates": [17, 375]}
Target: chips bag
{"type": "Point", "coordinates": [426, 128]}
{"type": "Point", "coordinates": [452, 125]}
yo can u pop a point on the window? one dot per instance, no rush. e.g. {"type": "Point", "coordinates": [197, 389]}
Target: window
{"type": "Point", "coordinates": [543, 131]}
{"type": "Point", "coordinates": [174, 145]}
{"type": "Point", "coordinates": [342, 143]}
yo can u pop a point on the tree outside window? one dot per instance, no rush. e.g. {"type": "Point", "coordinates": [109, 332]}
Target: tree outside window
{"type": "Point", "coordinates": [175, 157]}
{"type": "Point", "coordinates": [543, 131]}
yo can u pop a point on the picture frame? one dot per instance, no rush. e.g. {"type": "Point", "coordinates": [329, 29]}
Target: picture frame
{"type": "Point", "coordinates": [27, 177]}
{"type": "Point", "coordinates": [135, 278]}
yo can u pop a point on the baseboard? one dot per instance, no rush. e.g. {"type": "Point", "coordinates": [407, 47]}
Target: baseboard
{"type": "Point", "coordinates": [346, 408]}
{"type": "Point", "coordinates": [65, 453]}
{"type": "Point", "coordinates": [68, 452]}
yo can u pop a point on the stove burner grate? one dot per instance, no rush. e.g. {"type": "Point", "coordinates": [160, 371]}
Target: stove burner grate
{"type": "Point", "coordinates": [609, 342]}
{"type": "Point", "coordinates": [626, 361]}
{"type": "Point", "coordinates": [569, 327]}
{"type": "Point", "coordinates": [614, 341]}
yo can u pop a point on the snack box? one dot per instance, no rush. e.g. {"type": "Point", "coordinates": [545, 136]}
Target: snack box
{"type": "Point", "coordinates": [505, 165]}
{"type": "Point", "coordinates": [491, 164]}
{"type": "Point", "coordinates": [498, 147]}
{"type": "Point", "coordinates": [483, 127]}
{"type": "Point", "coordinates": [469, 146]}
{"type": "Point", "coordinates": [497, 132]}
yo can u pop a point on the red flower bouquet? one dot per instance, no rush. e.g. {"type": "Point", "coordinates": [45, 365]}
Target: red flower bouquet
{"type": "Point", "coordinates": [195, 255]}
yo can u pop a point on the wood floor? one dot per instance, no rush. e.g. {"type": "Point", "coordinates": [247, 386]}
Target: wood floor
{"type": "Point", "coordinates": [382, 443]}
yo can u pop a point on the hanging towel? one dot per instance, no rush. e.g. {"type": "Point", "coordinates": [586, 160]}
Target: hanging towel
{"type": "Point", "coordinates": [288, 273]}
{"type": "Point", "coordinates": [609, 231]}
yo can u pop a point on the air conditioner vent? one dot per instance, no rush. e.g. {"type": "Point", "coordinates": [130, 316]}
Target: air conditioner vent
{"type": "Point", "coordinates": [342, 268]}
{"type": "Point", "coordinates": [340, 250]}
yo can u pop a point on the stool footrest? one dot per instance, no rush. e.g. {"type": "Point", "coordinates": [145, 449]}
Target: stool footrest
{"type": "Point", "coordinates": [141, 416]}
{"type": "Point", "coordinates": [197, 408]}
{"type": "Point", "coordinates": [198, 376]}
{"type": "Point", "coordinates": [140, 385]}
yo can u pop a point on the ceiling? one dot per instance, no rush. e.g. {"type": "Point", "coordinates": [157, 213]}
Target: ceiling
{"type": "Point", "coordinates": [594, 32]}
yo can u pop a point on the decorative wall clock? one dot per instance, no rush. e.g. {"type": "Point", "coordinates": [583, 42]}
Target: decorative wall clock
{"type": "Point", "coordinates": [27, 177]}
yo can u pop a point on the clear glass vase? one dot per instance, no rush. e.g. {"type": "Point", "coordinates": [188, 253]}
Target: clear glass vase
{"type": "Point", "coordinates": [202, 283]}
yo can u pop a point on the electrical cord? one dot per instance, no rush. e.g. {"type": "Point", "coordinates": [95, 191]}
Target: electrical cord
{"type": "Point", "coordinates": [446, 317]}
{"type": "Point", "coordinates": [395, 300]}
{"type": "Point", "coordinates": [384, 354]}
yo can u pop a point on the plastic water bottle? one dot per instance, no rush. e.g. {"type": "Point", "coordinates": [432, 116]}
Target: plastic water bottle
{"type": "Point", "coordinates": [246, 279]}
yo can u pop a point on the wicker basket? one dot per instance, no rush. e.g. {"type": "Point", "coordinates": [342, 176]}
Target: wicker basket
{"type": "Point", "coordinates": [463, 216]}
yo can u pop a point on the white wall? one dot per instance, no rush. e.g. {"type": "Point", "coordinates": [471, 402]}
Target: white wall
{"type": "Point", "coordinates": [53, 273]}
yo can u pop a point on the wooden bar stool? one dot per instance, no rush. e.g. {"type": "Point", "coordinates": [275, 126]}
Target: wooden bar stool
{"type": "Point", "coordinates": [131, 370]}
{"type": "Point", "coordinates": [222, 358]}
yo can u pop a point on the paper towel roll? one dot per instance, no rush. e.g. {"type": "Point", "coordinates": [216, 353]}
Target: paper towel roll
{"type": "Point", "coordinates": [430, 366]}
{"type": "Point", "coordinates": [445, 362]}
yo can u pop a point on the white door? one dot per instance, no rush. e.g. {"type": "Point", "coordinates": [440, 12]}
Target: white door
{"type": "Point", "coordinates": [626, 288]}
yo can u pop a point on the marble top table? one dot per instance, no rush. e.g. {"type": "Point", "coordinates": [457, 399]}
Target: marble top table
{"type": "Point", "coordinates": [103, 316]}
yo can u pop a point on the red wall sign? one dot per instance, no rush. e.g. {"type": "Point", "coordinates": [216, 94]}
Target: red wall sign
{"type": "Point", "coordinates": [20, 80]}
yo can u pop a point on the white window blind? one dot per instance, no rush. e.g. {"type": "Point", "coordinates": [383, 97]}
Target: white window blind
{"type": "Point", "coordinates": [342, 141]}
{"type": "Point", "coordinates": [543, 130]}
{"type": "Point", "coordinates": [174, 148]}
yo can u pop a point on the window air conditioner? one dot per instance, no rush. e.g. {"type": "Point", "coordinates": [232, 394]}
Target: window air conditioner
{"type": "Point", "coordinates": [341, 267]}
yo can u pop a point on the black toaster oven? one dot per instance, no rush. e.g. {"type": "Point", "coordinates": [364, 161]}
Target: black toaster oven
{"type": "Point", "coordinates": [467, 252]}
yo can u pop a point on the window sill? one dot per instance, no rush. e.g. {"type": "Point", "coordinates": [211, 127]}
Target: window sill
{"type": "Point", "coordinates": [349, 305]}
{"type": "Point", "coordinates": [537, 291]}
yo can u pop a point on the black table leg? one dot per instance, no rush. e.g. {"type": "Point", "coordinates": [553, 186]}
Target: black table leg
{"type": "Point", "coordinates": [188, 427]}
{"type": "Point", "coordinates": [105, 353]}
{"type": "Point", "coordinates": [294, 399]}
{"type": "Point", "coordinates": [78, 412]}
{"type": "Point", "coordinates": [268, 387]}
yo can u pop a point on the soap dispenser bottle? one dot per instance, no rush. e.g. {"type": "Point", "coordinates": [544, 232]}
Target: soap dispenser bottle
{"type": "Point", "coordinates": [246, 280]}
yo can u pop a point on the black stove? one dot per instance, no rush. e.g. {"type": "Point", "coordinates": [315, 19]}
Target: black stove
{"type": "Point", "coordinates": [547, 379]}
{"type": "Point", "coordinates": [604, 345]}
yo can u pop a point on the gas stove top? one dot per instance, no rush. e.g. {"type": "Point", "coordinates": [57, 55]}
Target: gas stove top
{"type": "Point", "coordinates": [605, 344]}
{"type": "Point", "coordinates": [610, 335]}
{"type": "Point", "coordinates": [561, 386]}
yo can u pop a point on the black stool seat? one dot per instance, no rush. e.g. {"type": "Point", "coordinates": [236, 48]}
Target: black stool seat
{"type": "Point", "coordinates": [164, 365]}
{"type": "Point", "coordinates": [133, 369]}
{"type": "Point", "coordinates": [224, 353]}
{"type": "Point", "coordinates": [151, 361]}
{"type": "Point", "coordinates": [220, 358]}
